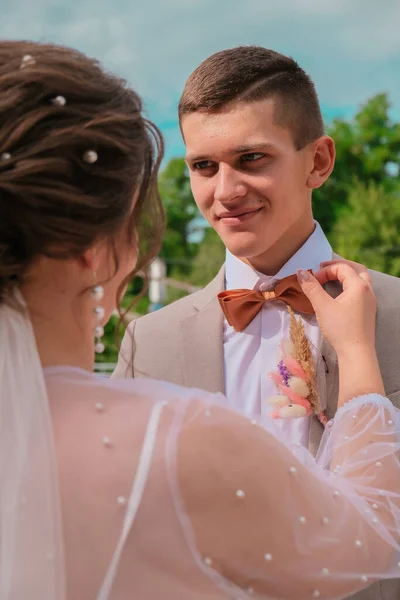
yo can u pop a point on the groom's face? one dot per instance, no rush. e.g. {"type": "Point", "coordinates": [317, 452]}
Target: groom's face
{"type": "Point", "coordinates": [248, 179]}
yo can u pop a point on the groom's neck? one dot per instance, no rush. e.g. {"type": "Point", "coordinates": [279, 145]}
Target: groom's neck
{"type": "Point", "coordinates": [272, 261]}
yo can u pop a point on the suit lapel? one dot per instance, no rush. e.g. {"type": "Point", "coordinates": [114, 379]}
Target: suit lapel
{"type": "Point", "coordinates": [329, 390]}
{"type": "Point", "coordinates": [328, 381]}
{"type": "Point", "coordinates": [201, 340]}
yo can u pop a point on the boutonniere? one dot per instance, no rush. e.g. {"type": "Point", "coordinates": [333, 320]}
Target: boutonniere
{"type": "Point", "coordinates": [295, 377]}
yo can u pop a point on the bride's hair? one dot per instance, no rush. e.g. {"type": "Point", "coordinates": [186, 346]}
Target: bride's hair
{"type": "Point", "coordinates": [74, 151]}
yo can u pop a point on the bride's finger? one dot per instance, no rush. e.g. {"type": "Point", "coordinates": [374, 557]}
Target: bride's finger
{"type": "Point", "coordinates": [314, 291]}
{"type": "Point", "coordinates": [341, 272]}
{"type": "Point", "coordinates": [367, 277]}
{"type": "Point", "coordinates": [358, 267]}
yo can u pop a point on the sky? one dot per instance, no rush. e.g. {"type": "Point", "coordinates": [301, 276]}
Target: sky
{"type": "Point", "coordinates": [351, 48]}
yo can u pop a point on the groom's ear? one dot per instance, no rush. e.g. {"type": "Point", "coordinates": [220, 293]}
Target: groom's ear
{"type": "Point", "coordinates": [323, 155]}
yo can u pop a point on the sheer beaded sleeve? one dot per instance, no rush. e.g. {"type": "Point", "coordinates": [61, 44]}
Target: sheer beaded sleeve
{"type": "Point", "coordinates": [266, 520]}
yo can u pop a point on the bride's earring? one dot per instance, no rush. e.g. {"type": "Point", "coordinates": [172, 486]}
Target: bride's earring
{"type": "Point", "coordinates": [97, 293]}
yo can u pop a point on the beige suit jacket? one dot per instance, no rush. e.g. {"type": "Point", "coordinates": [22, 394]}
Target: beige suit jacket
{"type": "Point", "coordinates": [183, 344]}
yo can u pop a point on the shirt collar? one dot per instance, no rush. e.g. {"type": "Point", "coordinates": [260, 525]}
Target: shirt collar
{"type": "Point", "coordinates": [315, 250]}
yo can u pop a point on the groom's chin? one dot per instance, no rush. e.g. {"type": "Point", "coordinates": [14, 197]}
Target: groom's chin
{"type": "Point", "coordinates": [239, 241]}
{"type": "Point", "coordinates": [245, 249]}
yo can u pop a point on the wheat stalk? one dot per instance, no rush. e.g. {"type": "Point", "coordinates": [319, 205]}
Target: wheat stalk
{"type": "Point", "coordinates": [304, 356]}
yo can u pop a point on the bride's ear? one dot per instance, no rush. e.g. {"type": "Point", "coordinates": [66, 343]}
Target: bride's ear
{"type": "Point", "coordinates": [91, 259]}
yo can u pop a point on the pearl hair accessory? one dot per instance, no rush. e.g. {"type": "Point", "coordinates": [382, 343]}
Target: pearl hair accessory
{"type": "Point", "coordinates": [5, 156]}
{"type": "Point", "coordinates": [59, 101]}
{"type": "Point", "coordinates": [90, 157]}
{"type": "Point", "coordinates": [27, 61]}
{"type": "Point", "coordinates": [97, 293]}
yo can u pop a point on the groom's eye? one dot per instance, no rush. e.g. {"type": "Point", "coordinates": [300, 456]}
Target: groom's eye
{"type": "Point", "coordinates": [202, 164]}
{"type": "Point", "coordinates": [251, 157]}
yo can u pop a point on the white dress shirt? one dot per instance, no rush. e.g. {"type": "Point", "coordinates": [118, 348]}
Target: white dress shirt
{"type": "Point", "coordinates": [251, 354]}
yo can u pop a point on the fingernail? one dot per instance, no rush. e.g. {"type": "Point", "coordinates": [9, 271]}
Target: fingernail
{"type": "Point", "coordinates": [303, 276]}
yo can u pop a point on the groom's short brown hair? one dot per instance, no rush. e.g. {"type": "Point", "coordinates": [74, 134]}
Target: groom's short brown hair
{"type": "Point", "coordinates": [251, 73]}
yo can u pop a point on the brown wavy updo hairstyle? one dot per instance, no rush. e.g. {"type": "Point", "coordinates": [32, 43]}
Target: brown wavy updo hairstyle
{"type": "Point", "coordinates": [56, 104]}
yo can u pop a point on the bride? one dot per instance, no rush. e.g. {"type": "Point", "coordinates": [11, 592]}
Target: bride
{"type": "Point", "coordinates": [113, 490]}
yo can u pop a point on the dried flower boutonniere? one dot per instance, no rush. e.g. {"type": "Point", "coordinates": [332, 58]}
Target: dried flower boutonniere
{"type": "Point", "coordinates": [295, 377]}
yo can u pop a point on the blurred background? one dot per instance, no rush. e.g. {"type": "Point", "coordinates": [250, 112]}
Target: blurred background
{"type": "Point", "coordinates": [350, 48]}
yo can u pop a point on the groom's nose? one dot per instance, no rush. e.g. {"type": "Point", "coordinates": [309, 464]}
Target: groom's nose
{"type": "Point", "coordinates": [229, 184]}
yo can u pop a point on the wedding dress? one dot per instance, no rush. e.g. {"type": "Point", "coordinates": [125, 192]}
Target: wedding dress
{"type": "Point", "coordinates": [122, 489]}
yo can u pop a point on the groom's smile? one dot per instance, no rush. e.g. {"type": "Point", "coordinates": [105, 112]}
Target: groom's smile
{"type": "Point", "coordinates": [237, 217]}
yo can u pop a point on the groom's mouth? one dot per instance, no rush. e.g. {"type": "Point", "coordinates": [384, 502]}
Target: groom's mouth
{"type": "Point", "coordinates": [239, 216]}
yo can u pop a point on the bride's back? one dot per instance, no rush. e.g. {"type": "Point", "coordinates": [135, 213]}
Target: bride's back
{"type": "Point", "coordinates": [115, 444]}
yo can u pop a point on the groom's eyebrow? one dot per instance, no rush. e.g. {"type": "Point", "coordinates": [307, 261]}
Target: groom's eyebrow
{"type": "Point", "coordinates": [195, 157]}
{"type": "Point", "coordinates": [243, 149]}
{"type": "Point", "coordinates": [256, 147]}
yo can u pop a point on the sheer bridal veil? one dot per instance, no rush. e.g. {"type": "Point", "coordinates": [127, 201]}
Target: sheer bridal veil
{"type": "Point", "coordinates": [31, 560]}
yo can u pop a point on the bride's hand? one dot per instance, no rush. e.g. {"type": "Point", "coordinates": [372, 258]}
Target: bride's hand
{"type": "Point", "coordinates": [348, 321]}
{"type": "Point", "coordinates": [358, 267]}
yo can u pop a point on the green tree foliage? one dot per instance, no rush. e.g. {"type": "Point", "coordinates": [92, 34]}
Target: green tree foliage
{"type": "Point", "coordinates": [209, 259]}
{"type": "Point", "coordinates": [367, 149]}
{"type": "Point", "coordinates": [368, 231]}
{"type": "Point", "coordinates": [181, 211]}
{"type": "Point", "coordinates": [110, 353]}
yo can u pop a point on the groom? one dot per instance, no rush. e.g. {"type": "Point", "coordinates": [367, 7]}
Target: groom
{"type": "Point", "coordinates": [256, 150]}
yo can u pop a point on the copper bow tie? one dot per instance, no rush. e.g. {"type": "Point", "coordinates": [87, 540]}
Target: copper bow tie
{"type": "Point", "coordinates": [241, 306]}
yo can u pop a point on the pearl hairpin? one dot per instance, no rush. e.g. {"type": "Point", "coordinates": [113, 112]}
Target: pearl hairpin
{"type": "Point", "coordinates": [90, 157]}
{"type": "Point", "coordinates": [27, 61]}
{"type": "Point", "coordinates": [59, 101]}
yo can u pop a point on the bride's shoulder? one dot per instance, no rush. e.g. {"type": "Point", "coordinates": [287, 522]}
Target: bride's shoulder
{"type": "Point", "coordinates": [84, 386]}
{"type": "Point", "coordinates": [154, 391]}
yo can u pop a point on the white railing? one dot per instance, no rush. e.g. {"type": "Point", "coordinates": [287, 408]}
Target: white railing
{"type": "Point", "coordinates": [104, 368]}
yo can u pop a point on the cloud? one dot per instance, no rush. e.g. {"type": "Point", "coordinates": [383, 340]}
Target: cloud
{"type": "Point", "coordinates": [351, 48]}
